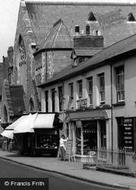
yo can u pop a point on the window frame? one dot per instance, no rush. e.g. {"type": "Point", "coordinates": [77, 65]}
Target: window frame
{"type": "Point", "coordinates": [120, 83]}
{"type": "Point", "coordinates": [80, 88]}
{"type": "Point", "coordinates": [101, 87]}
{"type": "Point", "coordinates": [90, 89]}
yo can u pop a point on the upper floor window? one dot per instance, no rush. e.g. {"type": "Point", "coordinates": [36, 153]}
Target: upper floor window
{"type": "Point", "coordinates": [120, 83]}
{"type": "Point", "coordinates": [46, 101]}
{"type": "Point", "coordinates": [71, 91]}
{"type": "Point", "coordinates": [90, 89]}
{"type": "Point", "coordinates": [102, 88]}
{"type": "Point", "coordinates": [53, 99]}
{"type": "Point", "coordinates": [61, 97]}
{"type": "Point", "coordinates": [80, 89]}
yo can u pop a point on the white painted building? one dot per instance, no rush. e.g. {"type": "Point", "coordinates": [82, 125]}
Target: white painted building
{"type": "Point", "coordinates": [97, 99]}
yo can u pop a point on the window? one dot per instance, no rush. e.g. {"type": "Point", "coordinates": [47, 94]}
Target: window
{"type": "Point", "coordinates": [46, 101]}
{"type": "Point", "coordinates": [53, 99]}
{"type": "Point", "coordinates": [103, 133]}
{"type": "Point", "coordinates": [120, 83]}
{"type": "Point", "coordinates": [91, 17]}
{"type": "Point", "coordinates": [102, 88]}
{"type": "Point", "coordinates": [90, 90]}
{"type": "Point", "coordinates": [71, 90]}
{"type": "Point", "coordinates": [80, 89]}
{"type": "Point", "coordinates": [87, 29]}
{"type": "Point", "coordinates": [60, 92]}
{"type": "Point", "coordinates": [131, 17]}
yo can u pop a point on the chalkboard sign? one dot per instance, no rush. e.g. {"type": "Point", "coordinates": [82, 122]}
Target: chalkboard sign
{"type": "Point", "coordinates": [69, 149]}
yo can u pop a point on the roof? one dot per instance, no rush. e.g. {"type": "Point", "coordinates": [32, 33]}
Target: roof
{"type": "Point", "coordinates": [120, 48]}
{"type": "Point", "coordinates": [58, 37]}
{"type": "Point", "coordinates": [112, 18]}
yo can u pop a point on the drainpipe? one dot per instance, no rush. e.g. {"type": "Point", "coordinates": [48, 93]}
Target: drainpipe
{"type": "Point", "coordinates": [46, 66]}
{"type": "Point", "coordinates": [111, 80]}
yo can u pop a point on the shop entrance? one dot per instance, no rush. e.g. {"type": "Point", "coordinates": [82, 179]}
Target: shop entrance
{"type": "Point", "coordinates": [89, 135]}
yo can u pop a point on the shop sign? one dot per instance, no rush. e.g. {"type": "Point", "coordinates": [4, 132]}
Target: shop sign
{"type": "Point", "coordinates": [81, 103]}
{"type": "Point", "coordinates": [128, 133]}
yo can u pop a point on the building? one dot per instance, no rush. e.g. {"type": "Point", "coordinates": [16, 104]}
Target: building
{"type": "Point", "coordinates": [98, 106]}
{"type": "Point", "coordinates": [114, 22]}
{"type": "Point", "coordinates": [42, 45]}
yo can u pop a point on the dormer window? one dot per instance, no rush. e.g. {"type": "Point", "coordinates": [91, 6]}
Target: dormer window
{"type": "Point", "coordinates": [91, 17]}
{"type": "Point", "coordinates": [131, 17]}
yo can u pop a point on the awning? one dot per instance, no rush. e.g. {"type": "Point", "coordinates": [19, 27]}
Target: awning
{"type": "Point", "coordinates": [8, 134]}
{"type": "Point", "coordinates": [44, 121]}
{"type": "Point", "coordinates": [16, 123]}
{"type": "Point", "coordinates": [26, 124]}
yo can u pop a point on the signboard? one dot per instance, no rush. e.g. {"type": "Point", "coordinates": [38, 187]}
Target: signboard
{"type": "Point", "coordinates": [81, 103]}
{"type": "Point", "coordinates": [128, 134]}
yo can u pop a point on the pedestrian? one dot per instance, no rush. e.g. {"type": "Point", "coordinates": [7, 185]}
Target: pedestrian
{"type": "Point", "coordinates": [62, 148]}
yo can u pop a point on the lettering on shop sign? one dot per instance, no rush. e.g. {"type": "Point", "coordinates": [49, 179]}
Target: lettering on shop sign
{"type": "Point", "coordinates": [128, 133]}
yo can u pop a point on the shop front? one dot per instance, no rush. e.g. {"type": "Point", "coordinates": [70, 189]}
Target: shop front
{"type": "Point", "coordinates": [89, 131]}
{"type": "Point", "coordinates": [126, 133]}
{"type": "Point", "coordinates": [37, 134]}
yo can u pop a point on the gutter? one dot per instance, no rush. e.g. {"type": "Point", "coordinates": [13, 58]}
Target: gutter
{"type": "Point", "coordinates": [81, 70]}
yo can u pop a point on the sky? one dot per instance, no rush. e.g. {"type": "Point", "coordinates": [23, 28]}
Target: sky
{"type": "Point", "coordinates": [8, 20]}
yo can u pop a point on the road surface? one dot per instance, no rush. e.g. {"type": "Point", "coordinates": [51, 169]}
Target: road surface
{"type": "Point", "coordinates": [10, 169]}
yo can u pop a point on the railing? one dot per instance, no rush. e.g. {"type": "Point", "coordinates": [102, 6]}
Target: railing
{"type": "Point", "coordinates": [117, 159]}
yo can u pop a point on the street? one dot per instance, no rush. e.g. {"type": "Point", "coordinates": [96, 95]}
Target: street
{"type": "Point", "coordinates": [9, 169]}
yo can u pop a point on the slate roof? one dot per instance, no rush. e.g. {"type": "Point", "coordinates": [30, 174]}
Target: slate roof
{"type": "Point", "coordinates": [120, 48]}
{"type": "Point", "coordinates": [112, 18]}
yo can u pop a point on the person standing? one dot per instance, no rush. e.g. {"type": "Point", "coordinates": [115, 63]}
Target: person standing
{"type": "Point", "coordinates": [63, 141]}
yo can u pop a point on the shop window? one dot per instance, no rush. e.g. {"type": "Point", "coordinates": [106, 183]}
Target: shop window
{"type": "Point", "coordinates": [89, 136]}
{"type": "Point", "coordinates": [47, 141]}
{"type": "Point", "coordinates": [53, 99]}
{"type": "Point", "coordinates": [80, 88]}
{"type": "Point", "coordinates": [61, 97]}
{"type": "Point", "coordinates": [101, 88]}
{"type": "Point", "coordinates": [78, 140]}
{"type": "Point", "coordinates": [103, 133]}
{"type": "Point", "coordinates": [120, 83]}
{"type": "Point", "coordinates": [46, 101]}
{"type": "Point", "coordinates": [90, 89]}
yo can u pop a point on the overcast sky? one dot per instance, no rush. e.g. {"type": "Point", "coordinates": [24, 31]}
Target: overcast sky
{"type": "Point", "coordinates": [8, 20]}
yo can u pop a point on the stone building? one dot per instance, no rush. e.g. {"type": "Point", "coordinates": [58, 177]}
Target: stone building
{"type": "Point", "coordinates": [38, 26]}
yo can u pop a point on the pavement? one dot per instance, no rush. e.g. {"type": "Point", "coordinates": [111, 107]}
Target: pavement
{"type": "Point", "coordinates": [73, 169]}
